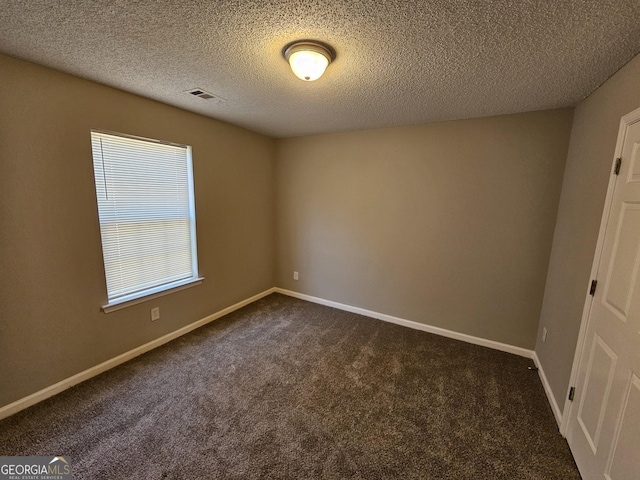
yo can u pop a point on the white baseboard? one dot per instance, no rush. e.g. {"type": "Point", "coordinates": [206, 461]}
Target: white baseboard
{"type": "Point", "coordinates": [547, 388]}
{"type": "Point", "coordinates": [52, 390]}
{"type": "Point", "coordinates": [523, 352]}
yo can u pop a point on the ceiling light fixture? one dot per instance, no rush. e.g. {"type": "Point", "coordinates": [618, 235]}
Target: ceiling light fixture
{"type": "Point", "coordinates": [308, 58]}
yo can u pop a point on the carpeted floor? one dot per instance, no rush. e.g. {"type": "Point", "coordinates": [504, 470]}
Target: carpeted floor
{"type": "Point", "coordinates": [288, 389]}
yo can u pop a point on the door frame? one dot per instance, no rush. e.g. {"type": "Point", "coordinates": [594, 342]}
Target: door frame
{"type": "Point", "coordinates": [625, 122]}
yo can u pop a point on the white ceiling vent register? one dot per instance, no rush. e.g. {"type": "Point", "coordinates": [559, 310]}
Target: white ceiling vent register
{"type": "Point", "coordinates": [201, 93]}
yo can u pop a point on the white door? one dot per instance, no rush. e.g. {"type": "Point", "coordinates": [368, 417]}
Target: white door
{"type": "Point", "coordinates": [604, 419]}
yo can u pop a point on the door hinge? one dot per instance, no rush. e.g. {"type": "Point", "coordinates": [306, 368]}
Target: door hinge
{"type": "Point", "coordinates": [616, 170]}
{"type": "Point", "coordinates": [592, 290]}
{"type": "Point", "coordinates": [572, 392]}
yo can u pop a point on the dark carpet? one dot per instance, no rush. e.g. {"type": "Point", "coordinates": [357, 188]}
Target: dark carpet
{"type": "Point", "coordinates": [289, 389]}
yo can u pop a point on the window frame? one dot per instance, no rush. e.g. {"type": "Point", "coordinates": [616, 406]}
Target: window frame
{"type": "Point", "coordinates": [147, 294]}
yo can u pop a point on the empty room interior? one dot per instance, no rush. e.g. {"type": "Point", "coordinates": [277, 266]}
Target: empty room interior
{"type": "Point", "coordinates": [417, 259]}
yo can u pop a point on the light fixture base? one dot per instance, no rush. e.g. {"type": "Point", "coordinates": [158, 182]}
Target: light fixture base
{"type": "Point", "coordinates": [312, 45]}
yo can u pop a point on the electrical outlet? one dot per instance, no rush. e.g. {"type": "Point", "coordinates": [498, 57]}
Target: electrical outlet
{"type": "Point", "coordinates": [155, 314]}
{"type": "Point", "coordinates": [295, 275]}
{"type": "Point", "coordinates": [544, 334]}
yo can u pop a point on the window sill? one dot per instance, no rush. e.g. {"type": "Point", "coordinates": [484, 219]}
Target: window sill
{"type": "Point", "coordinates": [129, 300]}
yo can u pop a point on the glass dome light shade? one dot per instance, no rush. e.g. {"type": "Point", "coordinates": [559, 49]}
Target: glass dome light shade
{"type": "Point", "coordinates": [308, 60]}
{"type": "Point", "coordinates": [308, 66]}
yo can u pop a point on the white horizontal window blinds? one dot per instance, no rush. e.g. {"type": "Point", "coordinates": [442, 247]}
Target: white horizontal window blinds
{"type": "Point", "coordinates": [147, 214]}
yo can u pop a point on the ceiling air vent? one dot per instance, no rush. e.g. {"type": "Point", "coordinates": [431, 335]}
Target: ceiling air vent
{"type": "Point", "coordinates": [198, 92]}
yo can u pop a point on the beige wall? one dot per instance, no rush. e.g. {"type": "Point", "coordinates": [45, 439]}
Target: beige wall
{"type": "Point", "coordinates": [446, 224]}
{"type": "Point", "coordinates": [51, 274]}
{"type": "Point", "coordinates": [591, 150]}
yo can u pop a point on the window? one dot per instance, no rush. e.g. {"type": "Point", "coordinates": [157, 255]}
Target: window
{"type": "Point", "coordinates": [147, 216]}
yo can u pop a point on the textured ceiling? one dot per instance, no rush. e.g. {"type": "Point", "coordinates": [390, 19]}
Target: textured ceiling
{"type": "Point", "coordinates": [398, 61]}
